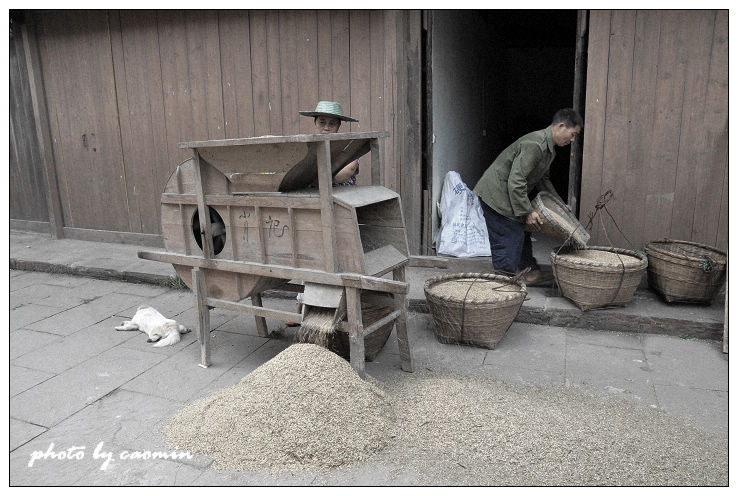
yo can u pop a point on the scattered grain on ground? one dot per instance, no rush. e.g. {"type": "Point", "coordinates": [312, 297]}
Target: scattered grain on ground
{"type": "Point", "coordinates": [476, 431]}
{"type": "Point", "coordinates": [306, 408]}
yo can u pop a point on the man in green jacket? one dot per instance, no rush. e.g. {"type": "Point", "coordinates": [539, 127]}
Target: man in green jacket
{"type": "Point", "coordinates": [504, 188]}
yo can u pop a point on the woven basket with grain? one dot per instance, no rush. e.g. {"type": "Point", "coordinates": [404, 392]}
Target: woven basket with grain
{"type": "Point", "coordinates": [599, 276]}
{"type": "Point", "coordinates": [374, 306]}
{"type": "Point", "coordinates": [473, 308]}
{"type": "Point", "coordinates": [558, 220]}
{"type": "Point", "coordinates": [683, 271]}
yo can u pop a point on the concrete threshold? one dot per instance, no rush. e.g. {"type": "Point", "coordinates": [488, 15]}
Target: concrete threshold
{"type": "Point", "coordinates": [646, 313]}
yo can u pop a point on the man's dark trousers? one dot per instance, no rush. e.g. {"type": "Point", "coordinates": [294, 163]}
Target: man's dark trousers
{"type": "Point", "coordinates": [509, 243]}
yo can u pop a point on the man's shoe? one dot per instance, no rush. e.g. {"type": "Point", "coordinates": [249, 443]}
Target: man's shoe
{"type": "Point", "coordinates": [538, 277]}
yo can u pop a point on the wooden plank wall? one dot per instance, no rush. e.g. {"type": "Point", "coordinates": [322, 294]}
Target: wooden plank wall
{"type": "Point", "coordinates": [27, 195]}
{"type": "Point", "coordinates": [124, 87]}
{"type": "Point", "coordinates": [656, 126]}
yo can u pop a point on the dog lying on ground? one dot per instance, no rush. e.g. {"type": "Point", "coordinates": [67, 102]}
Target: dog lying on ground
{"type": "Point", "coordinates": [159, 329]}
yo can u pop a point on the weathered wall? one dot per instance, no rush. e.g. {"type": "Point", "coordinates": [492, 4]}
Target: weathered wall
{"type": "Point", "coordinates": [122, 88]}
{"type": "Point", "coordinates": [27, 190]}
{"type": "Point", "coordinates": [656, 126]}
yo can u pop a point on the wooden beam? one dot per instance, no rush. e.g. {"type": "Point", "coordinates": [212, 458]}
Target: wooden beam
{"type": "Point", "coordinates": [325, 183]}
{"type": "Point", "coordinates": [355, 330]}
{"type": "Point", "coordinates": [411, 104]}
{"type": "Point", "coordinates": [206, 237]}
{"type": "Point", "coordinates": [428, 262]}
{"type": "Point", "coordinates": [381, 322]}
{"type": "Point", "coordinates": [281, 272]}
{"type": "Point", "coordinates": [256, 310]}
{"type": "Point", "coordinates": [43, 130]}
{"type": "Point", "coordinates": [278, 200]}
{"type": "Point", "coordinates": [203, 316]}
{"type": "Point", "coordinates": [261, 326]}
{"type": "Point", "coordinates": [377, 162]}
{"type": "Point", "coordinates": [580, 73]}
{"type": "Point", "coordinates": [297, 138]}
{"type": "Point", "coordinates": [403, 342]}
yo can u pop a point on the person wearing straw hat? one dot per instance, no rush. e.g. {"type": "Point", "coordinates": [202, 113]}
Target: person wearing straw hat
{"type": "Point", "coordinates": [520, 169]}
{"type": "Point", "coordinates": [327, 118]}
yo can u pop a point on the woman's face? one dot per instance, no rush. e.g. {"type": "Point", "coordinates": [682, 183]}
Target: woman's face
{"type": "Point", "coordinates": [327, 125]}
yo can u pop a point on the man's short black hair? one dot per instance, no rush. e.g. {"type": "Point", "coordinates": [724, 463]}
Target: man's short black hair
{"type": "Point", "coordinates": [569, 117]}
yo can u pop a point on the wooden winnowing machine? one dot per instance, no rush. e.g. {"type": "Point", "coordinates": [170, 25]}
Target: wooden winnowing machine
{"type": "Point", "coordinates": [243, 216]}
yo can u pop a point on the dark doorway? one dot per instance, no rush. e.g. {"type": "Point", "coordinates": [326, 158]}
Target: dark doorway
{"type": "Point", "coordinates": [534, 76]}
{"type": "Point", "coordinates": [493, 76]}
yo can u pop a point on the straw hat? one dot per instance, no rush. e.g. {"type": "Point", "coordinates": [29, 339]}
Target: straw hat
{"type": "Point", "coordinates": [329, 109]}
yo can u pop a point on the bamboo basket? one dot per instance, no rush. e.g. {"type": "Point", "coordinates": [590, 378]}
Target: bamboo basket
{"type": "Point", "coordinates": [473, 308]}
{"type": "Point", "coordinates": [683, 271]}
{"type": "Point", "coordinates": [599, 276]}
{"type": "Point", "coordinates": [374, 306]}
{"type": "Point", "coordinates": [558, 220]}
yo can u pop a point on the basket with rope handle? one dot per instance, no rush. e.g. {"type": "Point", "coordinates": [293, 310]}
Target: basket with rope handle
{"type": "Point", "coordinates": [598, 276]}
{"type": "Point", "coordinates": [684, 271]}
{"type": "Point", "coordinates": [473, 308]}
{"type": "Point", "coordinates": [558, 220]}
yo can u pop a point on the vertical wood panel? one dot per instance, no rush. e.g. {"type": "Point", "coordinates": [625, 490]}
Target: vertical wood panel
{"type": "Point", "coordinates": [235, 57]}
{"type": "Point", "coordinates": [341, 62]}
{"type": "Point", "coordinates": [260, 72]}
{"type": "Point", "coordinates": [615, 161]}
{"type": "Point", "coordinates": [642, 115]}
{"type": "Point", "coordinates": [361, 81]}
{"type": "Point", "coordinates": [672, 178]}
{"type": "Point", "coordinates": [325, 74]}
{"type": "Point", "coordinates": [27, 198]}
{"type": "Point", "coordinates": [389, 91]}
{"type": "Point", "coordinates": [360, 77]}
{"type": "Point", "coordinates": [191, 77]}
{"type": "Point", "coordinates": [135, 48]}
{"type": "Point", "coordinates": [78, 76]}
{"type": "Point", "coordinates": [288, 62]}
{"type": "Point", "coordinates": [711, 214]}
{"type": "Point", "coordinates": [662, 161]}
{"type": "Point", "coordinates": [697, 34]}
{"type": "Point", "coordinates": [275, 73]}
{"type": "Point", "coordinates": [411, 130]}
{"type": "Point", "coordinates": [307, 67]}
{"type": "Point", "coordinates": [595, 114]}
{"type": "Point", "coordinates": [376, 96]}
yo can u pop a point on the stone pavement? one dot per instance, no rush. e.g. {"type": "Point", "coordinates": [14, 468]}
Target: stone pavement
{"type": "Point", "coordinates": [77, 385]}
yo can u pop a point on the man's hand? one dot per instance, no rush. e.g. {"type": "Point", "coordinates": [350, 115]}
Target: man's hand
{"type": "Point", "coordinates": [533, 221]}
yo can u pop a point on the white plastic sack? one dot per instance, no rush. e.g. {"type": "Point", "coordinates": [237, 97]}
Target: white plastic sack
{"type": "Point", "coordinates": [463, 231]}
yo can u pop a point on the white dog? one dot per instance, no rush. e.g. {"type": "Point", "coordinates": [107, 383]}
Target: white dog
{"type": "Point", "coordinates": [158, 328]}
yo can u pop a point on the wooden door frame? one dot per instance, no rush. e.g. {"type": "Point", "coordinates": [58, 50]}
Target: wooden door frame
{"type": "Point", "coordinates": [580, 86]}
{"type": "Point", "coordinates": [426, 244]}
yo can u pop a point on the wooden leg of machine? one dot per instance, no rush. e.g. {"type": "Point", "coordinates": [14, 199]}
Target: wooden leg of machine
{"type": "Point", "coordinates": [356, 329]}
{"type": "Point", "coordinates": [261, 325]}
{"type": "Point", "coordinates": [401, 324]}
{"type": "Point", "coordinates": [203, 316]}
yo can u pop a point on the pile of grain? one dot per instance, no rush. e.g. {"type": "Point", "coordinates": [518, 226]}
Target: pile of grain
{"type": "Point", "coordinates": [477, 431]}
{"type": "Point", "coordinates": [601, 256]}
{"type": "Point", "coordinates": [305, 408]}
{"type": "Point", "coordinates": [474, 289]}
